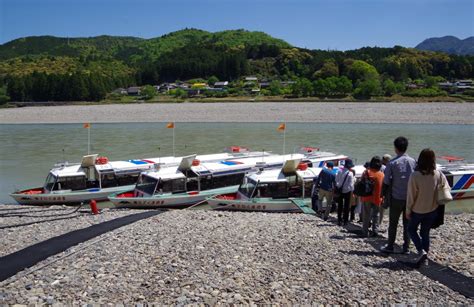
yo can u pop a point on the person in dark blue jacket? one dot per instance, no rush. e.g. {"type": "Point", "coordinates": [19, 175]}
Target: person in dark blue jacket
{"type": "Point", "coordinates": [326, 183]}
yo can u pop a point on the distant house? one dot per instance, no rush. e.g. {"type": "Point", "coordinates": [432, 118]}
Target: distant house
{"type": "Point", "coordinates": [264, 84]}
{"type": "Point", "coordinates": [287, 83]}
{"type": "Point", "coordinates": [221, 84]}
{"type": "Point", "coordinates": [166, 87]}
{"type": "Point", "coordinates": [466, 82]}
{"type": "Point", "coordinates": [120, 91]}
{"type": "Point", "coordinates": [255, 91]}
{"type": "Point", "coordinates": [456, 87]}
{"type": "Point", "coordinates": [134, 91]}
{"type": "Point", "coordinates": [199, 85]}
{"type": "Point", "coordinates": [183, 85]}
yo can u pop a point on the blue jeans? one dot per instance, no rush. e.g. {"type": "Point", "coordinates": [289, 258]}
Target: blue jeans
{"type": "Point", "coordinates": [426, 220]}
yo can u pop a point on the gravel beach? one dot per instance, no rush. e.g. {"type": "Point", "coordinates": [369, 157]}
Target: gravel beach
{"type": "Point", "coordinates": [207, 257]}
{"type": "Point", "coordinates": [334, 112]}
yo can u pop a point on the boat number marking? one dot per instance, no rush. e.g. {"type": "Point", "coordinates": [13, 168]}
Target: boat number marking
{"type": "Point", "coordinates": [245, 206]}
{"type": "Point", "coordinates": [50, 198]}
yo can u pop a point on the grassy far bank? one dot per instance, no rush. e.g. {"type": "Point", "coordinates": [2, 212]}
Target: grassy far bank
{"type": "Point", "coordinates": [170, 99]}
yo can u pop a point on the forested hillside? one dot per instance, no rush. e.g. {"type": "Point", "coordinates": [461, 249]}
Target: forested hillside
{"type": "Point", "coordinates": [51, 68]}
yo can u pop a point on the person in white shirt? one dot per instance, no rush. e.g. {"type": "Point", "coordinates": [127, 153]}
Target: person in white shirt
{"type": "Point", "coordinates": [345, 180]}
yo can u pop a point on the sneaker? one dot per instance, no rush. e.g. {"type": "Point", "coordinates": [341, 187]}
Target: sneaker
{"type": "Point", "coordinates": [386, 249]}
{"type": "Point", "coordinates": [405, 251]}
{"type": "Point", "coordinates": [422, 256]}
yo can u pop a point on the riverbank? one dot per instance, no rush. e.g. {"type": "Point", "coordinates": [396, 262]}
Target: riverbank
{"type": "Point", "coordinates": [323, 112]}
{"type": "Point", "coordinates": [206, 257]}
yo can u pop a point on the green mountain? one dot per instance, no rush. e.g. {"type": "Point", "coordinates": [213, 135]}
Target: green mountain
{"type": "Point", "coordinates": [133, 49]}
{"type": "Point", "coordinates": [448, 44]}
{"type": "Point", "coordinates": [53, 68]}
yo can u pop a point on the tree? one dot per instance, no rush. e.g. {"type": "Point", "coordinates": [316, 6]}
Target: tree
{"type": "Point", "coordinates": [368, 88]}
{"type": "Point", "coordinates": [344, 86]}
{"type": "Point", "coordinates": [275, 88]}
{"type": "Point", "coordinates": [16, 89]}
{"type": "Point", "coordinates": [148, 92]}
{"type": "Point", "coordinates": [302, 88]}
{"type": "Point", "coordinates": [329, 69]}
{"type": "Point", "coordinates": [320, 88]}
{"type": "Point", "coordinates": [3, 95]}
{"type": "Point", "coordinates": [362, 71]}
{"type": "Point", "coordinates": [212, 80]}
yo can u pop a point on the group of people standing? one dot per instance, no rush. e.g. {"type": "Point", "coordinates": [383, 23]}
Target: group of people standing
{"type": "Point", "coordinates": [405, 186]}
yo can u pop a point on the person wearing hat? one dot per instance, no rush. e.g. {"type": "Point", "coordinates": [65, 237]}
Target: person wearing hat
{"type": "Point", "coordinates": [326, 183]}
{"type": "Point", "coordinates": [344, 185]}
{"type": "Point", "coordinates": [385, 159]}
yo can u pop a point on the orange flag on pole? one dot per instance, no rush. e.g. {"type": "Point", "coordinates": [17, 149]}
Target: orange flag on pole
{"type": "Point", "coordinates": [87, 125]}
{"type": "Point", "coordinates": [282, 127]}
{"type": "Point", "coordinates": [170, 125]}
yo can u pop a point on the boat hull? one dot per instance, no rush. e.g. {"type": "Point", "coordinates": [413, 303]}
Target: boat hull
{"type": "Point", "coordinates": [179, 200]}
{"type": "Point", "coordinates": [261, 205]}
{"type": "Point", "coordinates": [66, 198]}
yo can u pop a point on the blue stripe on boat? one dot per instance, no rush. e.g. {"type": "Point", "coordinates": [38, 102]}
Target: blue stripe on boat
{"type": "Point", "coordinates": [229, 162]}
{"type": "Point", "coordinates": [461, 182]}
{"type": "Point", "coordinates": [137, 162]}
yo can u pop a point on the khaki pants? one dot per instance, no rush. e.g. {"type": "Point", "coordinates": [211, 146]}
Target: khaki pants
{"type": "Point", "coordinates": [323, 194]}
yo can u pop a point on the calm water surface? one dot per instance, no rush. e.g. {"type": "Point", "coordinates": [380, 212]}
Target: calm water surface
{"type": "Point", "coordinates": [27, 152]}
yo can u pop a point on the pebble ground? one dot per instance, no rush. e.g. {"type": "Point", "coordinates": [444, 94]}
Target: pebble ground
{"type": "Point", "coordinates": [207, 257]}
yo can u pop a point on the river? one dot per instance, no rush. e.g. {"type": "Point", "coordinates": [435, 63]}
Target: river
{"type": "Point", "coordinates": [28, 151]}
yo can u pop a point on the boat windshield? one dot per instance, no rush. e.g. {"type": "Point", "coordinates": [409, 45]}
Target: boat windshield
{"type": "Point", "coordinates": [146, 184]}
{"type": "Point", "coordinates": [173, 186]}
{"type": "Point", "coordinates": [49, 183]}
{"type": "Point", "coordinates": [247, 187]}
{"type": "Point", "coordinates": [73, 183]}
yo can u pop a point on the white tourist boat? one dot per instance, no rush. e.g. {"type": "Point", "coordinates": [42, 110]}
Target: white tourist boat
{"type": "Point", "coordinates": [277, 190]}
{"type": "Point", "coordinates": [460, 177]}
{"type": "Point", "coordinates": [193, 181]}
{"type": "Point", "coordinates": [97, 177]}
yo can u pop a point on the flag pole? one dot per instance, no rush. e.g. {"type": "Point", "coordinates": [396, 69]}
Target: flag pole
{"type": "Point", "coordinates": [89, 141]}
{"type": "Point", "coordinates": [174, 155]}
{"type": "Point", "coordinates": [284, 139]}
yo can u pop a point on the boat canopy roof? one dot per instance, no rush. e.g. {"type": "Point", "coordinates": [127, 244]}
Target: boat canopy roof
{"type": "Point", "coordinates": [146, 164]}
{"type": "Point", "coordinates": [203, 169]}
{"type": "Point", "coordinates": [68, 171]}
{"type": "Point", "coordinates": [166, 173]}
{"type": "Point", "coordinates": [276, 175]}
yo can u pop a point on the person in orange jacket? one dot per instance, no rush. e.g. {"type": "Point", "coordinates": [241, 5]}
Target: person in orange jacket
{"type": "Point", "coordinates": [371, 204]}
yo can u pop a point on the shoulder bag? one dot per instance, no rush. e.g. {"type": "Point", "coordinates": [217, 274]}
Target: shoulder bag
{"type": "Point", "coordinates": [443, 196]}
{"type": "Point", "coordinates": [443, 193]}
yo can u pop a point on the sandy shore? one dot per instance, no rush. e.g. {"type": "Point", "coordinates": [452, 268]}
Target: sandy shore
{"type": "Point", "coordinates": [202, 257]}
{"type": "Point", "coordinates": [358, 112]}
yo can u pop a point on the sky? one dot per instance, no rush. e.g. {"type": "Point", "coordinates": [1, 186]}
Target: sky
{"type": "Point", "coordinates": [313, 24]}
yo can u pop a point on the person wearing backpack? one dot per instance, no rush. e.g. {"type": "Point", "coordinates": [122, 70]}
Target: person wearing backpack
{"type": "Point", "coordinates": [344, 187]}
{"type": "Point", "coordinates": [372, 202]}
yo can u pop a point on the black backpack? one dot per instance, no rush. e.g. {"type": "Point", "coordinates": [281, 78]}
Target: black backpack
{"type": "Point", "coordinates": [365, 186]}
